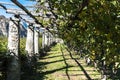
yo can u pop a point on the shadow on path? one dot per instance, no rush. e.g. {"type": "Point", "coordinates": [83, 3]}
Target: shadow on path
{"type": "Point", "coordinates": [50, 57]}
{"type": "Point", "coordinates": [53, 61]}
{"type": "Point", "coordinates": [86, 74]}
{"type": "Point", "coordinates": [48, 68]}
{"type": "Point", "coordinates": [65, 63]}
{"type": "Point", "coordinates": [43, 66]}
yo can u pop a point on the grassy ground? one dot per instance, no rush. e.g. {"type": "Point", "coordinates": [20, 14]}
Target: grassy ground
{"type": "Point", "coordinates": [59, 64]}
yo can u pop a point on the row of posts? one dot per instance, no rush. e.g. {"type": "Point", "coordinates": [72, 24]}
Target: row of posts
{"type": "Point", "coordinates": [32, 46]}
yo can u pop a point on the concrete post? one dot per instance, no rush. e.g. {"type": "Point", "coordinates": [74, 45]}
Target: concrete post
{"type": "Point", "coordinates": [36, 42]}
{"type": "Point", "coordinates": [30, 42]}
{"type": "Point", "coordinates": [13, 72]}
{"type": "Point", "coordinates": [43, 40]}
{"type": "Point", "coordinates": [3, 27]}
{"type": "Point", "coordinates": [46, 39]}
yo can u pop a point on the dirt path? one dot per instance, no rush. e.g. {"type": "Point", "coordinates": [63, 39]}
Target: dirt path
{"type": "Point", "coordinates": [59, 64]}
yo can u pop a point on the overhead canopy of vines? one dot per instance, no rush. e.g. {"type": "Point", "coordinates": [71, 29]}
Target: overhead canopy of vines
{"type": "Point", "coordinates": [90, 25]}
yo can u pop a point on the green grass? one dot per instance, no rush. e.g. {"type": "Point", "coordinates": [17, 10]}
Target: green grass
{"type": "Point", "coordinates": [40, 42]}
{"type": "Point", "coordinates": [58, 65]}
{"type": "Point", "coordinates": [4, 42]}
{"type": "Point", "coordinates": [22, 45]}
{"type": "Point", "coordinates": [52, 62]}
{"type": "Point", "coordinates": [3, 45]}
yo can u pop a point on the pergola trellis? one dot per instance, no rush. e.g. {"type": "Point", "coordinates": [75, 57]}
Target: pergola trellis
{"type": "Point", "coordinates": [32, 46]}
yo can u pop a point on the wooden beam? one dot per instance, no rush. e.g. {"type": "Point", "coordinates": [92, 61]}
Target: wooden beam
{"type": "Point", "coordinates": [3, 6]}
{"type": "Point", "coordinates": [31, 15]}
{"type": "Point", "coordinates": [23, 8]}
{"type": "Point", "coordinates": [6, 3]}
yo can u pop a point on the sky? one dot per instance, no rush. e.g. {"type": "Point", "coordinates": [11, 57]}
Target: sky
{"type": "Point", "coordinates": [24, 2]}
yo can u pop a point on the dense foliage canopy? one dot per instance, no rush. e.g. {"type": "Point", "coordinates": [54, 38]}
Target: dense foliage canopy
{"type": "Point", "coordinates": [89, 25]}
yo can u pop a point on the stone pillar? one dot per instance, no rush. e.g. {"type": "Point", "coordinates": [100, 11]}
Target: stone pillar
{"type": "Point", "coordinates": [3, 27]}
{"type": "Point", "coordinates": [36, 41]}
{"type": "Point", "coordinates": [13, 72]}
{"type": "Point", "coordinates": [51, 39]}
{"type": "Point", "coordinates": [30, 42]}
{"type": "Point", "coordinates": [43, 40]}
{"type": "Point", "coordinates": [46, 39]}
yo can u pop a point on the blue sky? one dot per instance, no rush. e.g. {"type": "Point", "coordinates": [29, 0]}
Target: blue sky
{"type": "Point", "coordinates": [24, 2]}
